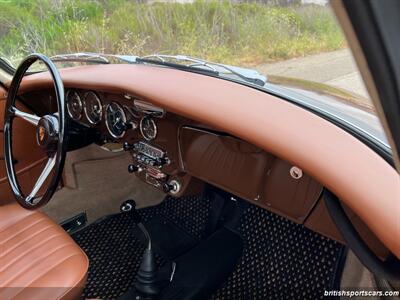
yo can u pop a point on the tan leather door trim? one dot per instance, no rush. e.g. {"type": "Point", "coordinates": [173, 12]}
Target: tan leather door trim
{"type": "Point", "coordinates": [30, 157]}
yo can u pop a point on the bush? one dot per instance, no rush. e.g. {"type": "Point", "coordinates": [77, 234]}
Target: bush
{"type": "Point", "coordinates": [222, 31]}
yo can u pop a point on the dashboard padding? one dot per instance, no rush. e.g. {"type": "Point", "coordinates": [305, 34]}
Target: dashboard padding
{"type": "Point", "coordinates": [362, 179]}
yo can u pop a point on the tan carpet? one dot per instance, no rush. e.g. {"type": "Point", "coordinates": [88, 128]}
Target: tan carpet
{"type": "Point", "coordinates": [97, 182]}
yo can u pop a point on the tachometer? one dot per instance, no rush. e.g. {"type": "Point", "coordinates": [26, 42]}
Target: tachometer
{"type": "Point", "coordinates": [115, 120]}
{"type": "Point", "coordinates": [74, 105]}
{"type": "Point", "coordinates": [148, 128]}
{"type": "Point", "coordinates": [93, 108]}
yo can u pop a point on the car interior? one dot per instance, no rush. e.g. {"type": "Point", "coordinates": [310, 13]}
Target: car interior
{"type": "Point", "coordinates": [143, 182]}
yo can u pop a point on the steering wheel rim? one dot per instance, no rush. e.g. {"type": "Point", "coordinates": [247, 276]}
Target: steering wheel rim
{"type": "Point", "coordinates": [50, 135]}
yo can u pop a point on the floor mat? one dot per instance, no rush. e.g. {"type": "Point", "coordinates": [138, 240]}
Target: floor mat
{"type": "Point", "coordinates": [281, 260]}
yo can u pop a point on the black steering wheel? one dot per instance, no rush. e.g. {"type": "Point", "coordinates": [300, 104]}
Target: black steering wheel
{"type": "Point", "coordinates": [50, 136]}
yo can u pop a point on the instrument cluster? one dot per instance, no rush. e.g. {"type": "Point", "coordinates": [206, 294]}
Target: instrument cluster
{"type": "Point", "coordinates": [115, 115]}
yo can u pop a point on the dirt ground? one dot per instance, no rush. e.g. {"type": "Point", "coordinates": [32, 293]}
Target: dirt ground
{"type": "Point", "coordinates": [335, 68]}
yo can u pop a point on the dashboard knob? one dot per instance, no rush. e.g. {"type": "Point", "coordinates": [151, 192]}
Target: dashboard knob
{"type": "Point", "coordinates": [167, 187]}
{"type": "Point", "coordinates": [161, 161]}
{"type": "Point", "coordinates": [127, 146]}
{"type": "Point", "coordinates": [132, 168]}
{"type": "Point", "coordinates": [173, 187]}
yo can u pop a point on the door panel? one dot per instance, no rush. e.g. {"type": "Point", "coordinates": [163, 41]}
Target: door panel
{"type": "Point", "coordinates": [30, 159]}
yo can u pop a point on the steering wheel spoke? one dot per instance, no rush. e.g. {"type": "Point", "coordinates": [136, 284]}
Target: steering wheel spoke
{"type": "Point", "coordinates": [42, 178]}
{"type": "Point", "coordinates": [30, 118]}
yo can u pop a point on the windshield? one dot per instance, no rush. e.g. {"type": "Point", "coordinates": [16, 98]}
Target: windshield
{"type": "Point", "coordinates": [296, 44]}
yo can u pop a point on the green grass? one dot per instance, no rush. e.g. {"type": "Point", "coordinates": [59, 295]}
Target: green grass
{"type": "Point", "coordinates": [241, 34]}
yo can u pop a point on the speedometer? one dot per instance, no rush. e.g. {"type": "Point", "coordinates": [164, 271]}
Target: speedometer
{"type": "Point", "coordinates": [93, 108]}
{"type": "Point", "coordinates": [74, 105]}
{"type": "Point", "coordinates": [115, 120]}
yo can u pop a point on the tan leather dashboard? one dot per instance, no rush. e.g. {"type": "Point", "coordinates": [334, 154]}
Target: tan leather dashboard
{"type": "Point", "coordinates": [363, 180]}
{"type": "Point", "coordinates": [249, 172]}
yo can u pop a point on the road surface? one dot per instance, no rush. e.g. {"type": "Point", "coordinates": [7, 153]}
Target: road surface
{"type": "Point", "coordinates": [335, 68]}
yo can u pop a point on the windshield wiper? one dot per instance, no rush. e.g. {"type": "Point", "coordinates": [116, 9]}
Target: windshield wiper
{"type": "Point", "coordinates": [180, 62]}
{"type": "Point", "coordinates": [188, 63]}
{"type": "Point", "coordinates": [81, 57]}
{"type": "Point", "coordinates": [155, 60]}
{"type": "Point", "coordinates": [91, 57]}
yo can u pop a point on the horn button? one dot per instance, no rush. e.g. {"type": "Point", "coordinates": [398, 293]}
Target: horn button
{"type": "Point", "coordinates": [47, 132]}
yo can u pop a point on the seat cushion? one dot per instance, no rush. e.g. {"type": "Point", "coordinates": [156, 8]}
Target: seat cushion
{"type": "Point", "coordinates": [38, 259]}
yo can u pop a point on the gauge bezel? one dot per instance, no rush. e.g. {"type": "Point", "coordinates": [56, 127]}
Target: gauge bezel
{"type": "Point", "coordinates": [98, 102]}
{"type": "Point", "coordinates": [67, 95]}
{"type": "Point", "coordinates": [108, 125]}
{"type": "Point", "coordinates": [147, 138]}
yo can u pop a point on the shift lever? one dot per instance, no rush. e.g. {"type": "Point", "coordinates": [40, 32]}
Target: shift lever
{"type": "Point", "coordinates": [146, 278]}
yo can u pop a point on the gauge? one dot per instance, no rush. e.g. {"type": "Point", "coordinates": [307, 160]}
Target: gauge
{"type": "Point", "coordinates": [74, 105]}
{"type": "Point", "coordinates": [93, 108]}
{"type": "Point", "coordinates": [115, 120]}
{"type": "Point", "coordinates": [148, 128]}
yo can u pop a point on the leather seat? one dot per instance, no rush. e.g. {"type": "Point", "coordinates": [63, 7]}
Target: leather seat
{"type": "Point", "coordinates": [38, 259]}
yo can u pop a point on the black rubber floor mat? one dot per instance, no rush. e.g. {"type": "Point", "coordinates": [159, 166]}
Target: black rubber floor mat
{"type": "Point", "coordinates": [114, 252]}
{"type": "Point", "coordinates": [281, 260]}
